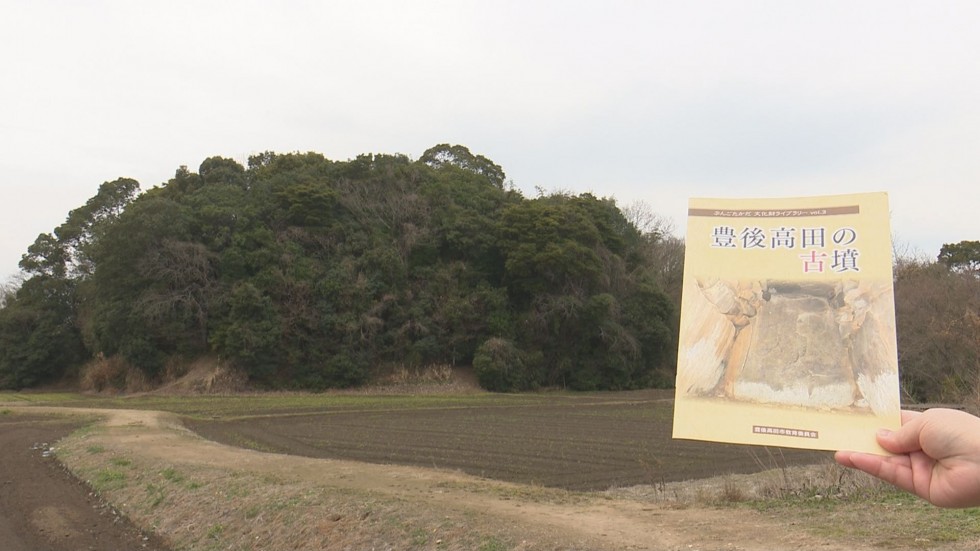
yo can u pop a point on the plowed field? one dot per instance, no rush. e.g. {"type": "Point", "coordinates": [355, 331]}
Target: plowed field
{"type": "Point", "coordinates": [580, 442]}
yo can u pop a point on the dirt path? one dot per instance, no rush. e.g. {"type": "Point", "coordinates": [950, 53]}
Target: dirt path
{"type": "Point", "coordinates": [583, 523]}
{"type": "Point", "coordinates": [44, 507]}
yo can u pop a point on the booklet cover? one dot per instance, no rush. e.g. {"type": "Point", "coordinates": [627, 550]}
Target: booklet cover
{"type": "Point", "coordinates": [788, 323]}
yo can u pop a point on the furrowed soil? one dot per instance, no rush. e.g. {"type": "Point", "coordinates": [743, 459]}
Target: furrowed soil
{"type": "Point", "coordinates": [578, 442]}
{"type": "Point", "coordinates": [388, 474]}
{"type": "Point", "coordinates": [43, 507]}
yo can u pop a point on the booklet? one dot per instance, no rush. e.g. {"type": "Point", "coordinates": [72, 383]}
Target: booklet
{"type": "Point", "coordinates": [787, 331]}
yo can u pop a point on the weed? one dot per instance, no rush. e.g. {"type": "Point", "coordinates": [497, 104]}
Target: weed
{"type": "Point", "coordinates": [109, 479]}
{"type": "Point", "coordinates": [492, 544]}
{"type": "Point", "coordinates": [420, 537]}
{"type": "Point", "coordinates": [6, 412]}
{"type": "Point", "coordinates": [732, 492]}
{"type": "Point", "coordinates": [274, 479]}
{"type": "Point", "coordinates": [252, 444]}
{"type": "Point", "coordinates": [283, 504]}
{"type": "Point", "coordinates": [121, 462]}
{"type": "Point", "coordinates": [95, 449]}
{"type": "Point", "coordinates": [215, 531]}
{"type": "Point", "coordinates": [171, 475]}
{"type": "Point", "coordinates": [155, 494]}
{"type": "Point", "coordinates": [236, 492]}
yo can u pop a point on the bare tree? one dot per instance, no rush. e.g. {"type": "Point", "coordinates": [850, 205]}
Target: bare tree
{"type": "Point", "coordinates": [9, 288]}
{"type": "Point", "coordinates": [646, 220]}
{"type": "Point", "coordinates": [938, 332]}
{"type": "Point", "coordinates": [394, 204]}
{"type": "Point", "coordinates": [186, 282]}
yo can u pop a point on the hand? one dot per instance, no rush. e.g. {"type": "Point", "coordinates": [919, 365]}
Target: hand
{"type": "Point", "coordinates": [937, 457]}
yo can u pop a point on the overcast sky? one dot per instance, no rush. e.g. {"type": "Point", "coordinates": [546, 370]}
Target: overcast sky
{"type": "Point", "coordinates": [652, 101]}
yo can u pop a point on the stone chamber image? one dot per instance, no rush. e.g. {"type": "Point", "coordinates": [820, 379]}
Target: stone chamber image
{"type": "Point", "coordinates": [824, 345]}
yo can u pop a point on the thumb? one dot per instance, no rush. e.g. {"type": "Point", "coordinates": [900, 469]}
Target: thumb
{"type": "Point", "coordinates": [903, 440]}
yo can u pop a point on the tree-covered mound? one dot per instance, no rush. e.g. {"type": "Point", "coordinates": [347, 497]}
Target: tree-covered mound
{"type": "Point", "coordinates": [308, 273]}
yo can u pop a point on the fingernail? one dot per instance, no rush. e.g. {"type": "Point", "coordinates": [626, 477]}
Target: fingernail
{"type": "Point", "coordinates": [884, 433]}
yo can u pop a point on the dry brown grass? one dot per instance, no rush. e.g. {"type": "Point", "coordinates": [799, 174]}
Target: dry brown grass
{"type": "Point", "coordinates": [208, 508]}
{"type": "Point", "coordinates": [430, 379]}
{"type": "Point", "coordinates": [819, 481]}
{"type": "Point", "coordinates": [113, 375]}
{"type": "Point", "coordinates": [204, 375]}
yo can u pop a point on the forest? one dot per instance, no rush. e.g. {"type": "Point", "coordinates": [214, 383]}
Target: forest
{"type": "Point", "coordinates": [307, 273]}
{"type": "Point", "coordinates": [301, 272]}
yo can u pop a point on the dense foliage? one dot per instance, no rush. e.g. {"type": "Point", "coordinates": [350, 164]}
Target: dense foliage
{"type": "Point", "coordinates": [309, 273]}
